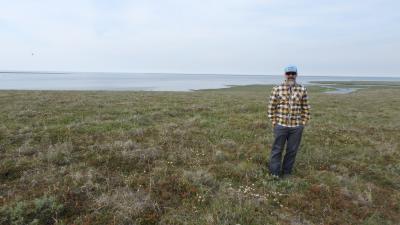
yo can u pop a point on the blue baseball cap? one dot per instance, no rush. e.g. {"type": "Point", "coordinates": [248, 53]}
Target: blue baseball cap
{"type": "Point", "coordinates": [291, 68]}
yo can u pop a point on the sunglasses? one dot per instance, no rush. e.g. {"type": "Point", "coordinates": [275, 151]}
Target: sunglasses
{"type": "Point", "coordinates": [291, 73]}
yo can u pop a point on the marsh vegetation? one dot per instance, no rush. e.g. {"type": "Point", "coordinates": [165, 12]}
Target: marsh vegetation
{"type": "Point", "coordinates": [195, 158]}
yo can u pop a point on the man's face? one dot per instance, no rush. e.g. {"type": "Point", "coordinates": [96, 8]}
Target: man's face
{"type": "Point", "coordinates": [291, 76]}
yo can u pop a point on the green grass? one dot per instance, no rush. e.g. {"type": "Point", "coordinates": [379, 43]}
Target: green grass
{"type": "Point", "coordinates": [195, 158]}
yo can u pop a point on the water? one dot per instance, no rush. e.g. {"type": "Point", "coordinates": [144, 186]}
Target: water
{"type": "Point", "coordinates": [341, 90]}
{"type": "Point", "coordinates": [149, 82]}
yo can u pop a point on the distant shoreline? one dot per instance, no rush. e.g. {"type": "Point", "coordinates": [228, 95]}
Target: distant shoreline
{"type": "Point", "coordinates": [196, 74]}
{"type": "Point", "coordinates": [340, 87]}
{"type": "Point", "coordinates": [63, 81]}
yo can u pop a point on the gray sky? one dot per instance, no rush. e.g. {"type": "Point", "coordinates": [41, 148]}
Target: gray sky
{"type": "Point", "coordinates": [343, 37]}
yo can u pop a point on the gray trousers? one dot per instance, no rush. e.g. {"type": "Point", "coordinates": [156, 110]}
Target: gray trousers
{"type": "Point", "coordinates": [292, 137]}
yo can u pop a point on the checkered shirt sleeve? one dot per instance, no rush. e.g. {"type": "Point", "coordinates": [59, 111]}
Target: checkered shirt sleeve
{"type": "Point", "coordinates": [305, 108]}
{"type": "Point", "coordinates": [272, 105]}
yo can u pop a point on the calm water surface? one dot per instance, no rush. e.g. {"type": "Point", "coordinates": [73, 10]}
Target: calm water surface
{"type": "Point", "coordinates": [150, 82]}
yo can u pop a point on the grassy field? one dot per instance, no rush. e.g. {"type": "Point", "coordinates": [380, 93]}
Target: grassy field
{"type": "Point", "coordinates": [195, 158]}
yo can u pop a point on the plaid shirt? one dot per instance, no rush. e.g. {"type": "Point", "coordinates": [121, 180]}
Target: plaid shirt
{"type": "Point", "coordinates": [288, 106]}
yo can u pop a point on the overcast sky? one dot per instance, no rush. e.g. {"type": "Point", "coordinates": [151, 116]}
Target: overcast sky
{"type": "Point", "coordinates": [342, 37]}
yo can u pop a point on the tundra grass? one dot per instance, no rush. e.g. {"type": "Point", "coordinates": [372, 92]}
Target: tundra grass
{"type": "Point", "coordinates": [195, 158]}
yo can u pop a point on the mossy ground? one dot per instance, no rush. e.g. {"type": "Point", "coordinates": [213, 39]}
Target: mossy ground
{"type": "Point", "coordinates": [195, 158]}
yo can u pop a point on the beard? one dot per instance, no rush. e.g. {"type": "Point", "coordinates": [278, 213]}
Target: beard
{"type": "Point", "coordinates": [290, 81]}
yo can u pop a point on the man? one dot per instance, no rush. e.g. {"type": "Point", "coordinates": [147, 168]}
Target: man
{"type": "Point", "coordinates": [289, 112]}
